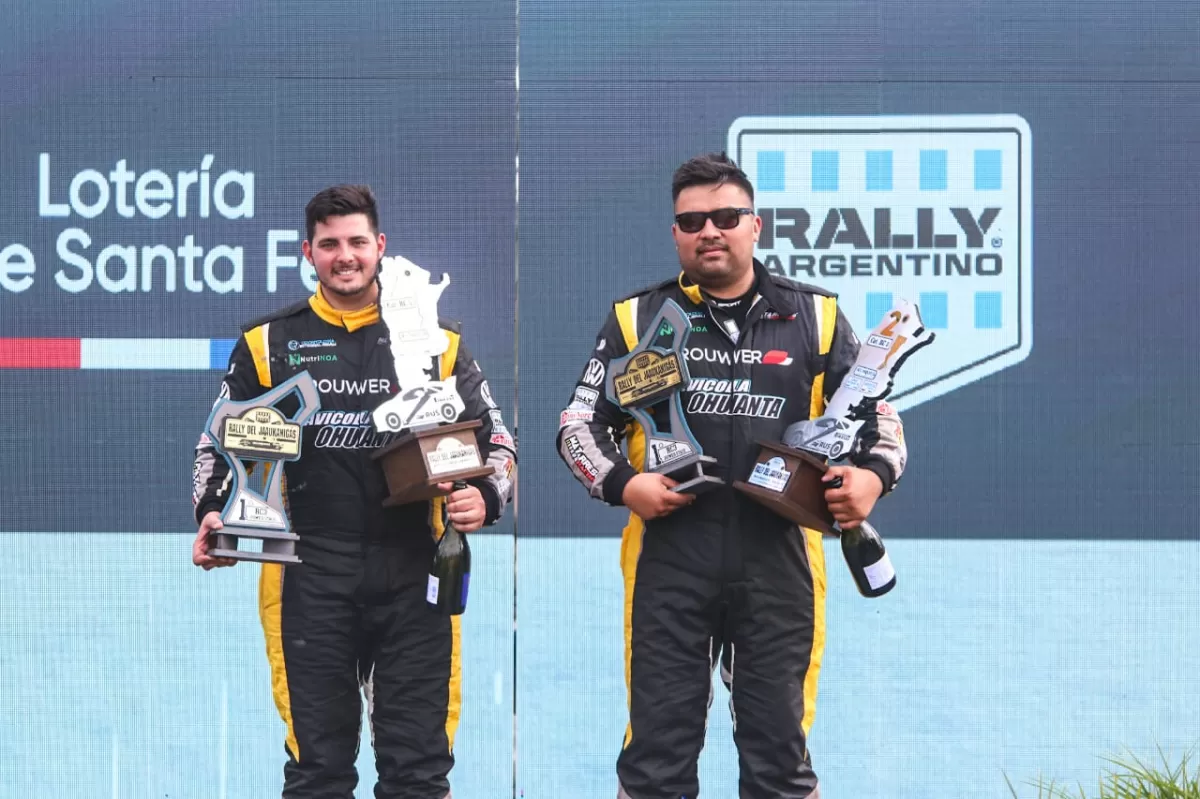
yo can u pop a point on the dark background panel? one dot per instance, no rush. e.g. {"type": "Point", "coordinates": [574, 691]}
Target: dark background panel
{"type": "Point", "coordinates": [416, 99]}
{"type": "Point", "coordinates": [1092, 435]}
{"type": "Point", "coordinates": [829, 41]}
{"type": "Point", "coordinates": [461, 40]}
{"type": "Point", "coordinates": [706, 42]}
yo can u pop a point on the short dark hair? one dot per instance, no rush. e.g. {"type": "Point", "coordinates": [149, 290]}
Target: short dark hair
{"type": "Point", "coordinates": [705, 170]}
{"type": "Point", "coordinates": [342, 200]}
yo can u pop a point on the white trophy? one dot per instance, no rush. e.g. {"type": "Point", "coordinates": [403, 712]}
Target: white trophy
{"type": "Point", "coordinates": [787, 476]}
{"type": "Point", "coordinates": [434, 447]}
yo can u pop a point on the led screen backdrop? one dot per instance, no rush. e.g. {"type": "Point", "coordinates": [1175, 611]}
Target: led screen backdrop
{"type": "Point", "coordinates": [156, 159]}
{"type": "Point", "coordinates": [1021, 170]}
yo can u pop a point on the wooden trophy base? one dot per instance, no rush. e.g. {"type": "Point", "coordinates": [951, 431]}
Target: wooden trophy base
{"type": "Point", "coordinates": [278, 546]}
{"type": "Point", "coordinates": [416, 462]}
{"type": "Point", "coordinates": [795, 492]}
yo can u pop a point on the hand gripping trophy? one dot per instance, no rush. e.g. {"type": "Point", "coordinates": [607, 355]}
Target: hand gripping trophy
{"type": "Point", "coordinates": [435, 447]}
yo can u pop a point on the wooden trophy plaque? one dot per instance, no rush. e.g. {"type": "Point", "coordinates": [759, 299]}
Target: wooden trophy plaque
{"type": "Point", "coordinates": [788, 481]}
{"type": "Point", "coordinates": [417, 461]}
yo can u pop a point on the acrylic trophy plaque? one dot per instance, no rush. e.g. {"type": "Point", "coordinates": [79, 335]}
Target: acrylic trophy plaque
{"type": "Point", "coordinates": [647, 384]}
{"type": "Point", "coordinates": [257, 431]}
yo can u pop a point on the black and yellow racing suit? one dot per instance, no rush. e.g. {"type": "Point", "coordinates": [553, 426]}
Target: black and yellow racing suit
{"type": "Point", "coordinates": [352, 615]}
{"type": "Point", "coordinates": [723, 579]}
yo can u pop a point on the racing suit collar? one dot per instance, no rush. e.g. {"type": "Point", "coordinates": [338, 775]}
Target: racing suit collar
{"type": "Point", "coordinates": [351, 320]}
{"type": "Point", "coordinates": [690, 289]}
{"type": "Point", "coordinates": [776, 300]}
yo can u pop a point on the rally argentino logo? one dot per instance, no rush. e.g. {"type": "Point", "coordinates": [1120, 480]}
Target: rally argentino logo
{"type": "Point", "coordinates": [935, 209]}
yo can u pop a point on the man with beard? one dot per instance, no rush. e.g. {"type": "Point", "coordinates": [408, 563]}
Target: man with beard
{"type": "Point", "coordinates": [353, 614]}
{"type": "Point", "coordinates": [717, 575]}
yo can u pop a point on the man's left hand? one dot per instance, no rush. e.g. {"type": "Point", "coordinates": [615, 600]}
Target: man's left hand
{"type": "Point", "coordinates": [851, 503]}
{"type": "Point", "coordinates": [465, 508]}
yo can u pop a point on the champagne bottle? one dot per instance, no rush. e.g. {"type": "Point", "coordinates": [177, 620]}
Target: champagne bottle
{"type": "Point", "coordinates": [865, 554]}
{"type": "Point", "coordinates": [868, 560]}
{"type": "Point", "coordinates": [450, 572]}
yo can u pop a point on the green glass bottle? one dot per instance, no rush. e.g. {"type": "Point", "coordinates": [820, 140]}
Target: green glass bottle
{"type": "Point", "coordinates": [867, 557]}
{"type": "Point", "coordinates": [450, 572]}
{"type": "Point", "coordinates": [868, 560]}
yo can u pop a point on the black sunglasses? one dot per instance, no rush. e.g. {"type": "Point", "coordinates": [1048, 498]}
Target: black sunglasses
{"type": "Point", "coordinates": [723, 218]}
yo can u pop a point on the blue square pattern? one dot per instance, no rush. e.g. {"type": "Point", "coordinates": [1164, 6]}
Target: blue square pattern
{"type": "Point", "coordinates": [219, 350]}
{"type": "Point", "coordinates": [825, 170]}
{"type": "Point", "coordinates": [988, 310]}
{"type": "Point", "coordinates": [878, 303]}
{"type": "Point", "coordinates": [935, 310]}
{"type": "Point", "coordinates": [933, 170]}
{"type": "Point", "coordinates": [771, 170]}
{"type": "Point", "coordinates": [988, 170]}
{"type": "Point", "coordinates": [879, 170]}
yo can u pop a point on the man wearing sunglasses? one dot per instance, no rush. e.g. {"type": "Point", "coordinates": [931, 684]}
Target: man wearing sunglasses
{"type": "Point", "coordinates": [717, 576]}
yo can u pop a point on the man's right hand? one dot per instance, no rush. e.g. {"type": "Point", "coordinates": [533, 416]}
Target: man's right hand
{"type": "Point", "coordinates": [202, 544]}
{"type": "Point", "coordinates": [649, 495]}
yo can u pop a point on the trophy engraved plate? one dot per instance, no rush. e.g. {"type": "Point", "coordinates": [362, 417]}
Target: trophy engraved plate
{"type": "Point", "coordinates": [261, 433]}
{"type": "Point", "coordinates": [434, 447]}
{"type": "Point", "coordinates": [787, 475]}
{"type": "Point", "coordinates": [647, 383]}
{"type": "Point", "coordinates": [257, 431]}
{"type": "Point", "coordinates": [647, 378]}
{"type": "Point", "coordinates": [451, 455]}
{"type": "Point", "coordinates": [772, 474]}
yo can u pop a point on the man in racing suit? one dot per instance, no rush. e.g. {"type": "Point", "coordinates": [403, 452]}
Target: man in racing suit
{"type": "Point", "coordinates": [716, 575]}
{"type": "Point", "coordinates": [353, 613]}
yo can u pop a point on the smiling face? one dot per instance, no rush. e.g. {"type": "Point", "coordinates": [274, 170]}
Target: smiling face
{"type": "Point", "coordinates": [714, 258]}
{"type": "Point", "coordinates": [345, 252]}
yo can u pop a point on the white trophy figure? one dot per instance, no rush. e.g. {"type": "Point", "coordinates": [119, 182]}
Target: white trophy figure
{"type": "Point", "coordinates": [897, 336]}
{"type": "Point", "coordinates": [408, 307]}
